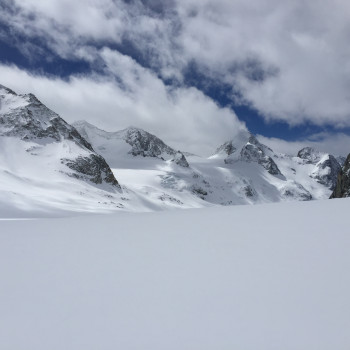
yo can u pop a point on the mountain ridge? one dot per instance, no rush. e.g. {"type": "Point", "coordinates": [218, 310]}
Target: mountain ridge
{"type": "Point", "coordinates": [151, 174]}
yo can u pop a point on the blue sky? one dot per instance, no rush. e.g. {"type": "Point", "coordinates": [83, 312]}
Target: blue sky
{"type": "Point", "coordinates": [212, 67]}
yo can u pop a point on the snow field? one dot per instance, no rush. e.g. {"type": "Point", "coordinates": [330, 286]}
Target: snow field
{"type": "Point", "coordinates": [261, 277]}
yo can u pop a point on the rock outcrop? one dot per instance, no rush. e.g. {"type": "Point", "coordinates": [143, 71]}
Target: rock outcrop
{"type": "Point", "coordinates": [26, 118]}
{"type": "Point", "coordinates": [326, 167]}
{"type": "Point", "coordinates": [180, 160]}
{"type": "Point", "coordinates": [249, 149]}
{"type": "Point", "coordinates": [342, 187]}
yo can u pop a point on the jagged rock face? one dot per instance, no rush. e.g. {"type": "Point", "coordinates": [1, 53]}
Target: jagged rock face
{"type": "Point", "coordinates": [112, 144]}
{"type": "Point", "coordinates": [293, 191]}
{"type": "Point", "coordinates": [227, 148]}
{"type": "Point", "coordinates": [252, 151]}
{"type": "Point", "coordinates": [326, 171]}
{"type": "Point", "coordinates": [310, 155]}
{"type": "Point", "coordinates": [341, 160]}
{"type": "Point", "coordinates": [145, 144]}
{"type": "Point", "coordinates": [93, 168]}
{"type": "Point", "coordinates": [30, 119]}
{"type": "Point", "coordinates": [180, 160]}
{"type": "Point", "coordinates": [326, 168]}
{"type": "Point", "coordinates": [25, 117]}
{"type": "Point", "coordinates": [342, 188]}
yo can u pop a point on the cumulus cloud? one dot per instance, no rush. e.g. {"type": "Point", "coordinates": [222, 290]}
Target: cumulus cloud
{"type": "Point", "coordinates": [184, 118]}
{"type": "Point", "coordinates": [290, 60]}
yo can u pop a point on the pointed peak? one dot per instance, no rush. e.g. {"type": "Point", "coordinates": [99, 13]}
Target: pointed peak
{"type": "Point", "coordinates": [132, 128]}
{"type": "Point", "coordinates": [7, 90]}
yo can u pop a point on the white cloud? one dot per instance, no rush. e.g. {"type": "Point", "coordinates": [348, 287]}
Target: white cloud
{"type": "Point", "coordinates": [184, 117]}
{"type": "Point", "coordinates": [337, 144]}
{"type": "Point", "coordinates": [300, 48]}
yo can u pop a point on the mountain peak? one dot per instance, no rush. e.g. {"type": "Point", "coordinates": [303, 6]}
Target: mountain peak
{"type": "Point", "coordinates": [7, 90]}
{"type": "Point", "coordinates": [138, 141]}
{"type": "Point", "coordinates": [26, 118]}
{"type": "Point", "coordinates": [310, 154]}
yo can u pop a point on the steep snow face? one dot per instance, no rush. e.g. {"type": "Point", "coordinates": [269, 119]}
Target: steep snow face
{"type": "Point", "coordinates": [116, 146]}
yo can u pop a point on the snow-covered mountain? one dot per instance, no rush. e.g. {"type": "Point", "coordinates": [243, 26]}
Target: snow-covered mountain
{"type": "Point", "coordinates": [248, 148]}
{"type": "Point", "coordinates": [327, 167]}
{"type": "Point", "coordinates": [47, 165]}
{"type": "Point", "coordinates": [116, 146]}
{"type": "Point", "coordinates": [242, 171]}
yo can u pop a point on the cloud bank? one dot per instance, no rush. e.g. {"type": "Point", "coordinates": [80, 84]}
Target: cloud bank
{"type": "Point", "coordinates": [289, 60]}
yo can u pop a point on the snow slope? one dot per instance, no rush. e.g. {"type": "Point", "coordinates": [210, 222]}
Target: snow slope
{"type": "Point", "coordinates": [260, 277]}
{"type": "Point", "coordinates": [242, 171]}
{"type": "Point", "coordinates": [48, 169]}
{"type": "Point", "coordinates": [119, 146]}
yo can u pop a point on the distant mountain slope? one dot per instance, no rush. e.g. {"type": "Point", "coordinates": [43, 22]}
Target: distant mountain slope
{"type": "Point", "coordinates": [248, 148]}
{"type": "Point", "coordinates": [242, 171]}
{"type": "Point", "coordinates": [115, 146]}
{"type": "Point", "coordinates": [48, 167]}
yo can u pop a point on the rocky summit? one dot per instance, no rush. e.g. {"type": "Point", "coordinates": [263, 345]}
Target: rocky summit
{"type": "Point", "coordinates": [47, 162]}
{"type": "Point", "coordinates": [326, 166]}
{"type": "Point", "coordinates": [25, 118]}
{"type": "Point", "coordinates": [249, 149]}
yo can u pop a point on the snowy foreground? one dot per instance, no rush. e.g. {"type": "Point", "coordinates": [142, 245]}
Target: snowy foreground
{"type": "Point", "coordinates": [258, 277]}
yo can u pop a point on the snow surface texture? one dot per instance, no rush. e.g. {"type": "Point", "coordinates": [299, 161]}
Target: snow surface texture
{"type": "Point", "coordinates": [243, 277]}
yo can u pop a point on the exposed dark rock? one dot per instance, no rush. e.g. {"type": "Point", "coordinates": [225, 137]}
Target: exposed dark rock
{"type": "Point", "coordinates": [199, 191]}
{"type": "Point", "coordinates": [30, 120]}
{"type": "Point", "coordinates": [145, 144]}
{"type": "Point", "coordinates": [141, 142]}
{"type": "Point", "coordinates": [227, 148]}
{"type": "Point", "coordinates": [35, 121]}
{"type": "Point", "coordinates": [180, 160]}
{"type": "Point", "coordinates": [310, 155]}
{"type": "Point", "coordinates": [254, 151]}
{"type": "Point", "coordinates": [93, 168]}
{"type": "Point", "coordinates": [326, 172]}
{"type": "Point", "coordinates": [342, 188]}
{"type": "Point", "coordinates": [295, 191]}
{"type": "Point", "coordinates": [249, 191]}
{"type": "Point", "coordinates": [326, 168]}
{"type": "Point", "coordinates": [341, 160]}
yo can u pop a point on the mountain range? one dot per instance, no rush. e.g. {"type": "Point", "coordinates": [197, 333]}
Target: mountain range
{"type": "Point", "coordinates": [49, 167]}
